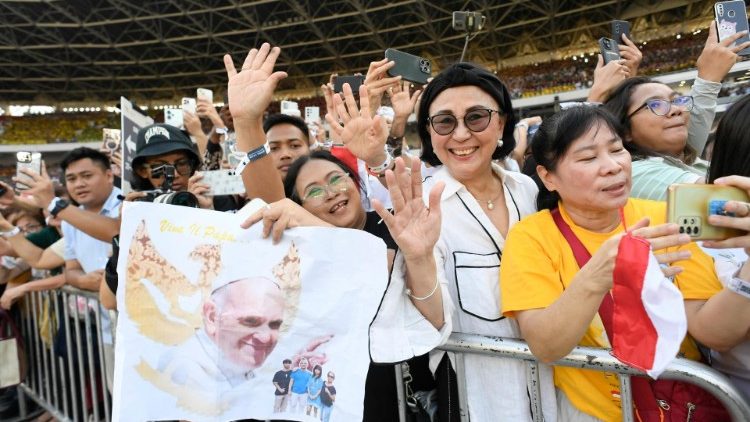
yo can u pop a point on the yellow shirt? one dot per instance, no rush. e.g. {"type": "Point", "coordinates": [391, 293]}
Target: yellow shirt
{"type": "Point", "coordinates": [538, 265]}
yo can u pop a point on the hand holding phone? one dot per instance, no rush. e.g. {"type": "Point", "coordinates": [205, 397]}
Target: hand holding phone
{"type": "Point", "coordinates": [174, 117]}
{"type": "Point", "coordinates": [29, 161]}
{"type": "Point", "coordinates": [111, 140]}
{"type": "Point", "coordinates": [609, 49]}
{"type": "Point", "coordinates": [223, 182]}
{"type": "Point", "coordinates": [690, 205]}
{"type": "Point", "coordinates": [188, 104]}
{"type": "Point", "coordinates": [618, 29]}
{"type": "Point", "coordinates": [731, 18]}
{"type": "Point", "coordinates": [410, 67]}
{"type": "Point", "coordinates": [205, 94]}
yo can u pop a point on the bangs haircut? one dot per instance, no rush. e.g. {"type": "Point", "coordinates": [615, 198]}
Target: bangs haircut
{"type": "Point", "coordinates": [290, 180]}
{"type": "Point", "coordinates": [555, 137]}
{"type": "Point", "coordinates": [466, 74]}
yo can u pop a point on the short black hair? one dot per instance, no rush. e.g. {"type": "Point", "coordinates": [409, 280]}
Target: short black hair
{"type": "Point", "coordinates": [277, 119]}
{"type": "Point", "coordinates": [732, 143]}
{"type": "Point", "coordinates": [463, 74]}
{"type": "Point", "coordinates": [557, 134]}
{"type": "Point", "coordinates": [80, 153]}
{"type": "Point", "coordinates": [291, 175]}
{"type": "Point", "coordinates": [286, 361]}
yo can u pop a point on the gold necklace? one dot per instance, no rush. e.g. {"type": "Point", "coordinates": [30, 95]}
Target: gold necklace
{"type": "Point", "coordinates": [491, 202]}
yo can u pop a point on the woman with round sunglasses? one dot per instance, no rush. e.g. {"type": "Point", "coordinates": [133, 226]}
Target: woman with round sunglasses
{"type": "Point", "coordinates": [465, 122]}
{"type": "Point", "coordinates": [655, 121]}
{"type": "Point", "coordinates": [322, 191]}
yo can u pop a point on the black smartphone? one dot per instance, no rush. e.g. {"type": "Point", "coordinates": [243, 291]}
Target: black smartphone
{"type": "Point", "coordinates": [609, 49]}
{"type": "Point", "coordinates": [354, 82]}
{"type": "Point", "coordinates": [619, 28]}
{"type": "Point", "coordinates": [410, 67]}
{"type": "Point", "coordinates": [731, 18]}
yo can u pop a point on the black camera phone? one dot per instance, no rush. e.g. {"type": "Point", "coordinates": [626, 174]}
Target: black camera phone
{"type": "Point", "coordinates": [354, 81]}
{"type": "Point", "coordinates": [410, 67]}
{"type": "Point", "coordinates": [619, 28]}
{"type": "Point", "coordinates": [609, 49]}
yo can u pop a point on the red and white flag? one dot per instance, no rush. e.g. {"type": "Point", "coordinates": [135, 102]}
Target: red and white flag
{"type": "Point", "coordinates": [648, 321]}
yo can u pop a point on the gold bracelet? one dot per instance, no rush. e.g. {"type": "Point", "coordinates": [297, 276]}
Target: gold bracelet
{"type": "Point", "coordinates": [429, 295]}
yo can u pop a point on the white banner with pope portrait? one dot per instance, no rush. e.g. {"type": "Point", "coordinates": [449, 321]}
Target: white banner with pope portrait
{"type": "Point", "coordinates": [217, 324]}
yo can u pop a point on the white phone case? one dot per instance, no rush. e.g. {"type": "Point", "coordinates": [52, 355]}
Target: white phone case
{"type": "Point", "coordinates": [188, 104]}
{"type": "Point", "coordinates": [205, 94]}
{"type": "Point", "coordinates": [174, 117]}
{"type": "Point", "coordinates": [32, 161]}
{"type": "Point", "coordinates": [223, 182]}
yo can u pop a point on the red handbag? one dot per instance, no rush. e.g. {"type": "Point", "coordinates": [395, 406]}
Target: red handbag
{"type": "Point", "coordinates": [654, 400]}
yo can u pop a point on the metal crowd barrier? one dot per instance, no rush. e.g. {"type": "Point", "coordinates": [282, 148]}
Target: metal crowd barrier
{"type": "Point", "coordinates": [70, 384]}
{"type": "Point", "coordinates": [597, 360]}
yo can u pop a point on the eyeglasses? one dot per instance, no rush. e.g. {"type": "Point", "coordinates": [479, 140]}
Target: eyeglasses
{"type": "Point", "coordinates": [661, 107]}
{"type": "Point", "coordinates": [315, 194]}
{"type": "Point", "coordinates": [475, 120]}
{"type": "Point", "coordinates": [30, 228]}
{"type": "Point", "coordinates": [183, 167]}
{"type": "Point", "coordinates": [331, 377]}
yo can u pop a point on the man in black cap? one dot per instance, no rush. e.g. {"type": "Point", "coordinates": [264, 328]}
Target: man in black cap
{"type": "Point", "coordinates": [159, 146]}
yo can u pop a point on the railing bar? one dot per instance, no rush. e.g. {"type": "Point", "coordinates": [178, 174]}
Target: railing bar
{"type": "Point", "coordinates": [626, 398]}
{"type": "Point", "coordinates": [39, 387]}
{"type": "Point", "coordinates": [91, 363]}
{"type": "Point", "coordinates": [102, 359]}
{"type": "Point", "coordinates": [535, 393]}
{"type": "Point", "coordinates": [43, 404]}
{"type": "Point", "coordinates": [463, 402]}
{"type": "Point", "coordinates": [400, 392]}
{"type": "Point", "coordinates": [79, 353]}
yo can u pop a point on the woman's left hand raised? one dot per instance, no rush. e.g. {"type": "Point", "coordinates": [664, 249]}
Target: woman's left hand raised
{"type": "Point", "coordinates": [414, 227]}
{"type": "Point", "coordinates": [282, 215]}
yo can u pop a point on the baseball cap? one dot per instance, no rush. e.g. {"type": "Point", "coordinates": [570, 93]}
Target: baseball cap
{"type": "Point", "coordinates": [158, 139]}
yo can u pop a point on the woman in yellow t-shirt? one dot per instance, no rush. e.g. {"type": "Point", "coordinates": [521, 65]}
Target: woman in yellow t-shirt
{"type": "Point", "coordinates": [586, 174]}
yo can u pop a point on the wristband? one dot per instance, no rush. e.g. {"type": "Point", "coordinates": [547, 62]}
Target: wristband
{"type": "Point", "coordinates": [221, 130]}
{"type": "Point", "coordinates": [253, 155]}
{"type": "Point", "coordinates": [739, 286]}
{"type": "Point", "coordinates": [522, 125]}
{"type": "Point", "coordinates": [10, 233]}
{"type": "Point", "coordinates": [379, 170]}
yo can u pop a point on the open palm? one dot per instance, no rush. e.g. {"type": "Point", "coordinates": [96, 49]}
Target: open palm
{"type": "Point", "coordinates": [250, 90]}
{"type": "Point", "coordinates": [414, 226]}
{"type": "Point", "coordinates": [363, 135]}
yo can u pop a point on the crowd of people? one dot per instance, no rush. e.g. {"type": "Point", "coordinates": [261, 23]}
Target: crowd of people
{"type": "Point", "coordinates": [478, 228]}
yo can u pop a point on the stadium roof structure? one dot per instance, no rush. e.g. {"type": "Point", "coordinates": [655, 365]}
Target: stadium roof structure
{"type": "Point", "coordinates": [95, 50]}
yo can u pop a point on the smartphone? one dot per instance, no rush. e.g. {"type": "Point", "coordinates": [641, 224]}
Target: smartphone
{"type": "Point", "coordinates": [188, 104]}
{"type": "Point", "coordinates": [174, 117]}
{"type": "Point", "coordinates": [690, 204]}
{"type": "Point", "coordinates": [111, 140]}
{"type": "Point", "coordinates": [731, 18]}
{"type": "Point", "coordinates": [223, 182]}
{"type": "Point", "coordinates": [410, 67]}
{"type": "Point", "coordinates": [609, 49]}
{"type": "Point", "coordinates": [619, 28]}
{"type": "Point", "coordinates": [205, 94]}
{"type": "Point", "coordinates": [27, 160]}
{"type": "Point", "coordinates": [354, 81]}
{"type": "Point", "coordinates": [312, 114]}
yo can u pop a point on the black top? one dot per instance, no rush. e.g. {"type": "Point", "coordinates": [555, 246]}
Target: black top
{"type": "Point", "coordinates": [325, 395]}
{"type": "Point", "coordinates": [282, 378]}
{"type": "Point", "coordinates": [375, 227]}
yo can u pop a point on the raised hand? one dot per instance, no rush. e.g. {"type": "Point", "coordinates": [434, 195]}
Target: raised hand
{"type": "Point", "coordinates": [414, 226]}
{"type": "Point", "coordinates": [717, 58]}
{"type": "Point", "coordinates": [378, 82]}
{"type": "Point", "coordinates": [631, 55]}
{"type": "Point", "coordinates": [251, 89]}
{"type": "Point", "coordinates": [312, 354]}
{"type": "Point", "coordinates": [403, 104]}
{"type": "Point", "coordinates": [40, 187]}
{"type": "Point", "coordinates": [606, 78]}
{"type": "Point", "coordinates": [364, 135]}
{"type": "Point", "coordinates": [192, 123]}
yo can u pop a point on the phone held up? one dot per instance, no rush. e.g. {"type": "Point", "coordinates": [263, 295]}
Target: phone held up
{"type": "Point", "coordinates": [354, 82]}
{"type": "Point", "coordinates": [27, 160]}
{"type": "Point", "coordinates": [690, 204]}
{"type": "Point", "coordinates": [189, 105]}
{"type": "Point", "coordinates": [731, 18]}
{"type": "Point", "coordinates": [619, 28]}
{"type": "Point", "coordinates": [410, 67]}
{"type": "Point", "coordinates": [609, 50]}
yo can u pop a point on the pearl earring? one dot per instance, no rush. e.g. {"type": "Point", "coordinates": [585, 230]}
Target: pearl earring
{"type": "Point", "coordinates": [500, 143]}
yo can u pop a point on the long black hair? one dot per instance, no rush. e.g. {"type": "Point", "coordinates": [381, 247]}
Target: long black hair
{"type": "Point", "coordinates": [732, 145]}
{"type": "Point", "coordinates": [557, 134]}
{"type": "Point", "coordinates": [464, 74]}
{"type": "Point", "coordinates": [291, 176]}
